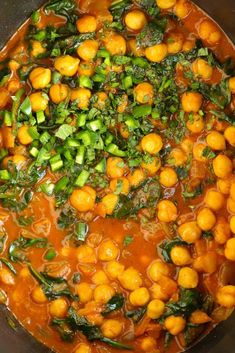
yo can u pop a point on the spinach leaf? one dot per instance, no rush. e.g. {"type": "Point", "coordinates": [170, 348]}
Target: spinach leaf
{"type": "Point", "coordinates": [25, 221]}
{"type": "Point", "coordinates": [136, 315]}
{"type": "Point", "coordinates": [192, 333]}
{"type": "Point", "coordinates": [218, 94]}
{"type": "Point", "coordinates": [17, 248]}
{"type": "Point", "coordinates": [167, 246]}
{"type": "Point", "coordinates": [3, 239]}
{"type": "Point", "coordinates": [115, 303]}
{"type": "Point", "coordinates": [128, 240]}
{"type": "Point", "coordinates": [151, 34]}
{"type": "Point", "coordinates": [149, 6]}
{"type": "Point", "coordinates": [62, 7]}
{"type": "Point", "coordinates": [64, 329]}
{"type": "Point", "coordinates": [8, 264]}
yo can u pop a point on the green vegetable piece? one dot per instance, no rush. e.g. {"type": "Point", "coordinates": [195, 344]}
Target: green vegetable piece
{"type": "Point", "coordinates": [40, 117]}
{"type": "Point", "coordinates": [7, 118]}
{"type": "Point", "coordinates": [65, 131]}
{"type": "Point", "coordinates": [50, 254]}
{"type": "Point", "coordinates": [114, 150]}
{"type": "Point", "coordinates": [18, 247]}
{"type": "Point", "coordinates": [5, 175]}
{"type": "Point", "coordinates": [101, 166]}
{"type": "Point", "coordinates": [81, 119]}
{"type": "Point", "coordinates": [26, 107]}
{"type": "Point", "coordinates": [167, 246]}
{"type": "Point", "coordinates": [80, 155]}
{"type": "Point", "coordinates": [142, 111]}
{"type": "Point", "coordinates": [114, 304]}
{"type": "Point", "coordinates": [127, 82]}
{"type": "Point", "coordinates": [82, 178]}
{"type": "Point", "coordinates": [128, 240]}
{"type": "Point", "coordinates": [56, 162]}
{"type": "Point", "coordinates": [34, 152]}
{"type": "Point", "coordinates": [81, 230]}
{"type": "Point", "coordinates": [33, 132]}
{"type": "Point", "coordinates": [61, 184]}
{"type": "Point", "coordinates": [85, 81]}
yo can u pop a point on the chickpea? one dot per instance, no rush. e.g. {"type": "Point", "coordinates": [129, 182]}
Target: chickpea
{"type": "Point", "coordinates": [175, 43]}
{"type": "Point", "coordinates": [108, 251]}
{"type": "Point", "coordinates": [110, 202]}
{"type": "Point", "coordinates": [175, 324]}
{"type": "Point", "coordinates": [198, 317]}
{"type": "Point", "coordinates": [111, 328]}
{"type": "Point", "coordinates": [190, 232]}
{"type": "Point", "coordinates": [86, 24]}
{"type": "Point", "coordinates": [100, 277]}
{"type": "Point", "coordinates": [88, 49]}
{"type": "Point", "coordinates": [158, 269]}
{"type": "Point", "coordinates": [201, 68]}
{"type": "Point", "coordinates": [67, 65]}
{"type": "Point", "coordinates": [226, 296]}
{"type": "Point", "coordinates": [229, 135]}
{"type": "Point", "coordinates": [4, 97]}
{"type": "Point", "coordinates": [86, 68]}
{"type": "Point", "coordinates": [216, 141]}
{"type": "Point", "coordinates": [222, 166]}
{"type": "Point", "coordinates": [24, 136]}
{"type": "Point", "coordinates": [102, 99]}
{"type": "Point", "coordinates": [231, 84]}
{"type": "Point", "coordinates": [120, 185]}
{"type": "Point", "coordinates": [178, 157]}
{"type": "Point", "coordinates": [18, 160]}
{"type": "Point", "coordinates": [214, 200]}
{"type": "Point", "coordinates": [86, 254]}
{"type": "Point", "coordinates": [206, 219]}
{"type": "Point", "coordinates": [221, 231]}
{"type": "Point", "coordinates": [6, 277]}
{"type": "Point", "coordinates": [136, 177]}
{"type": "Point", "coordinates": [144, 93]}
{"type": "Point", "coordinates": [196, 125]}
{"type": "Point", "coordinates": [115, 44]}
{"type": "Point", "coordinates": [148, 344]}
{"type": "Point", "coordinates": [81, 96]}
{"type": "Point", "coordinates": [153, 166]}
{"type": "Point", "coordinates": [38, 295]}
{"type": "Point", "coordinates": [13, 86]}
{"type": "Point", "coordinates": [103, 293]}
{"type": "Point", "coordinates": [180, 256]}
{"type": "Point", "coordinates": [182, 8]}
{"type": "Point", "coordinates": [121, 109]}
{"type": "Point", "coordinates": [58, 308]}
{"type": "Point", "coordinates": [187, 145]}
{"type": "Point", "coordinates": [191, 102]}
{"type": "Point", "coordinates": [40, 77]}
{"type": "Point", "coordinates": [232, 224]}
{"type": "Point", "coordinates": [83, 199]}
{"type": "Point", "coordinates": [84, 291]}
{"type": "Point", "coordinates": [83, 348]}
{"type": "Point", "coordinates": [206, 263]}
{"type": "Point", "coordinates": [151, 143]}
{"type": "Point", "coordinates": [188, 278]}
{"type": "Point", "coordinates": [198, 150]}
{"type": "Point", "coordinates": [130, 279]}
{"type": "Point", "coordinates": [38, 101]}
{"type": "Point", "coordinates": [165, 4]}
{"type": "Point", "coordinates": [166, 211]}
{"type": "Point", "coordinates": [114, 269]}
{"type": "Point", "coordinates": [116, 167]}
{"type": "Point", "coordinates": [139, 297]}
{"type": "Point", "coordinates": [231, 205]}
{"type": "Point", "coordinates": [168, 286]}
{"type": "Point", "coordinates": [155, 309]}
{"type": "Point", "coordinates": [232, 190]}
{"type": "Point", "coordinates": [135, 20]}
{"type": "Point", "coordinates": [224, 186]}
{"type": "Point", "coordinates": [59, 92]}
{"type": "Point", "coordinates": [209, 32]}
{"type": "Point", "coordinates": [168, 177]}
{"type": "Point", "coordinates": [157, 292]}
{"type": "Point", "coordinates": [229, 251]}
{"type": "Point", "coordinates": [37, 49]}
{"type": "Point", "coordinates": [134, 49]}
{"type": "Point", "coordinates": [156, 53]}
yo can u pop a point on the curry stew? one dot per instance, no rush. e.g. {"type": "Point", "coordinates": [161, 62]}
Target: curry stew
{"type": "Point", "coordinates": [117, 187]}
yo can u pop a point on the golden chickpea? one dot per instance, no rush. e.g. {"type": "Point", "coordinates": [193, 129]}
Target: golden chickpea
{"type": "Point", "coordinates": [18, 160]}
{"type": "Point", "coordinates": [108, 251]}
{"type": "Point", "coordinates": [196, 125]}
{"type": "Point", "coordinates": [201, 68]}
{"type": "Point", "coordinates": [180, 256]}
{"type": "Point", "coordinates": [166, 211]}
{"type": "Point", "coordinates": [84, 291]}
{"type": "Point", "coordinates": [130, 279]}
{"type": "Point", "coordinates": [198, 317]}
{"type": "Point", "coordinates": [38, 295]}
{"type": "Point", "coordinates": [58, 308]}
{"type": "Point", "coordinates": [115, 44]}
{"type": "Point", "coordinates": [214, 200]}
{"type": "Point", "coordinates": [100, 277]}
{"type": "Point", "coordinates": [209, 32]}
{"type": "Point", "coordinates": [153, 166]}
{"type": "Point", "coordinates": [88, 49]}
{"type": "Point", "coordinates": [168, 177]}
{"type": "Point", "coordinates": [40, 77]}
{"type": "Point", "coordinates": [157, 269]}
{"type": "Point", "coordinates": [206, 219]}
{"type": "Point", "coordinates": [102, 99]}
{"type": "Point", "coordinates": [221, 231]}
{"type": "Point", "coordinates": [6, 277]}
{"type": "Point", "coordinates": [165, 4]}
{"type": "Point", "coordinates": [231, 84]}
{"type": "Point", "coordinates": [222, 166]}
{"type": "Point", "coordinates": [231, 205]}
{"type": "Point", "coordinates": [190, 232]}
{"type": "Point", "coordinates": [86, 68]}
{"type": "Point", "coordinates": [83, 199]}
{"type": "Point", "coordinates": [103, 293]}
{"type": "Point", "coordinates": [229, 135]}
{"type": "Point", "coordinates": [37, 49]}
{"type": "Point", "coordinates": [139, 297]}
{"type": "Point", "coordinates": [135, 20]}
{"type": "Point", "coordinates": [120, 185]}
{"type": "Point", "coordinates": [157, 292]}
{"type": "Point", "coordinates": [151, 143]}
{"type": "Point", "coordinates": [83, 348]}
{"type": "Point", "coordinates": [114, 269]}
{"type": "Point", "coordinates": [144, 93]}
{"type": "Point", "coordinates": [86, 24]}
{"type": "Point", "coordinates": [182, 8]}
{"type": "Point", "coordinates": [178, 157]}
{"type": "Point", "coordinates": [86, 254]}
{"type": "Point", "coordinates": [188, 278]}
{"type": "Point", "coordinates": [191, 102]}
{"type": "Point", "coordinates": [216, 141]}
{"type": "Point", "coordinates": [224, 186]}
{"type": "Point", "coordinates": [148, 344]}
{"type": "Point", "coordinates": [23, 135]}
{"type": "Point", "coordinates": [110, 201]}
{"type": "Point", "coordinates": [136, 177]}
{"type": "Point", "coordinates": [229, 251]}
{"type": "Point", "coordinates": [175, 324]}
{"type": "Point", "coordinates": [198, 150]}
{"type": "Point", "coordinates": [175, 43]}
{"type": "Point", "coordinates": [156, 53]}
{"type": "Point", "coordinates": [232, 190]}
{"type": "Point", "coordinates": [155, 309]}
{"type": "Point", "coordinates": [226, 296]}
{"type": "Point", "coordinates": [81, 96]}
{"type": "Point", "coordinates": [59, 92]}
{"type": "Point", "coordinates": [232, 224]}
{"type": "Point", "coordinates": [4, 97]}
{"type": "Point", "coordinates": [111, 328]}
{"type": "Point", "coordinates": [38, 101]}
{"type": "Point", "coordinates": [116, 167]}
{"type": "Point", "coordinates": [67, 65]}
{"type": "Point", "coordinates": [206, 263]}
{"type": "Point", "coordinates": [188, 45]}
{"type": "Point", "coordinates": [134, 49]}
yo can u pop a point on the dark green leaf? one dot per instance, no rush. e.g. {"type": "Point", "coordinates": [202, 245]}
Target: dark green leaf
{"type": "Point", "coordinates": [115, 303]}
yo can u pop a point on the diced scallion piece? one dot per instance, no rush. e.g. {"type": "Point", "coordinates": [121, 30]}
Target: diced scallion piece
{"type": "Point", "coordinates": [40, 117]}
{"type": "Point", "coordinates": [33, 132]}
{"type": "Point", "coordinates": [45, 137]}
{"type": "Point", "coordinates": [5, 175]}
{"type": "Point", "coordinates": [80, 155]}
{"type": "Point", "coordinates": [61, 184]}
{"type": "Point", "coordinates": [47, 188]}
{"type": "Point", "coordinates": [7, 117]}
{"type": "Point", "coordinates": [81, 120]}
{"type": "Point", "coordinates": [101, 166]}
{"type": "Point", "coordinates": [81, 230]}
{"type": "Point", "coordinates": [50, 254]}
{"type": "Point", "coordinates": [85, 81]}
{"type": "Point", "coordinates": [127, 82]}
{"type": "Point", "coordinates": [142, 111]}
{"type": "Point", "coordinates": [56, 162]}
{"type": "Point", "coordinates": [34, 152]}
{"type": "Point", "coordinates": [26, 107]}
{"type": "Point", "coordinates": [114, 149]}
{"type": "Point", "coordinates": [82, 178]}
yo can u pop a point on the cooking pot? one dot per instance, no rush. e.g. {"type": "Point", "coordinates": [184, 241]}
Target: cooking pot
{"type": "Point", "coordinates": [13, 338]}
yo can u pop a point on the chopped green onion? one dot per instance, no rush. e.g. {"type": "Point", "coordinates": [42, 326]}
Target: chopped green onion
{"type": "Point", "coordinates": [56, 77]}
{"type": "Point", "coordinates": [56, 162]}
{"type": "Point", "coordinates": [40, 117]}
{"type": "Point", "coordinates": [99, 78]}
{"type": "Point", "coordinates": [33, 132]}
{"type": "Point", "coordinates": [103, 53]}
{"type": "Point", "coordinates": [127, 82]}
{"type": "Point", "coordinates": [86, 137]}
{"type": "Point", "coordinates": [26, 107]}
{"type": "Point", "coordinates": [132, 123]}
{"type": "Point", "coordinates": [64, 131]}
{"type": "Point", "coordinates": [85, 81]}
{"type": "Point", "coordinates": [80, 155]}
{"type": "Point", "coordinates": [141, 62]}
{"type": "Point", "coordinates": [4, 175]}
{"type": "Point", "coordinates": [101, 166]}
{"type": "Point", "coordinates": [109, 138]}
{"type": "Point", "coordinates": [81, 230]}
{"type": "Point", "coordinates": [81, 120]}
{"type": "Point", "coordinates": [3, 153]}
{"type": "Point", "coordinates": [82, 178]}
{"type": "Point", "coordinates": [7, 118]}
{"type": "Point", "coordinates": [61, 184]}
{"type": "Point", "coordinates": [47, 188]}
{"type": "Point", "coordinates": [142, 111]}
{"type": "Point", "coordinates": [95, 125]}
{"type": "Point", "coordinates": [43, 156]}
{"type": "Point", "coordinates": [35, 17]}
{"type": "Point", "coordinates": [34, 151]}
{"type": "Point", "coordinates": [114, 149]}
{"type": "Point", "coordinates": [71, 142]}
{"type": "Point", "coordinates": [44, 138]}
{"type": "Point", "coordinates": [50, 254]}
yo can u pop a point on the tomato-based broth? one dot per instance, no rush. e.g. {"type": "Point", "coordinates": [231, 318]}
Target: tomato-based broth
{"type": "Point", "coordinates": [117, 186]}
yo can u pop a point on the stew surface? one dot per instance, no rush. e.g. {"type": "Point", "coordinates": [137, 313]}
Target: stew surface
{"type": "Point", "coordinates": [117, 187]}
